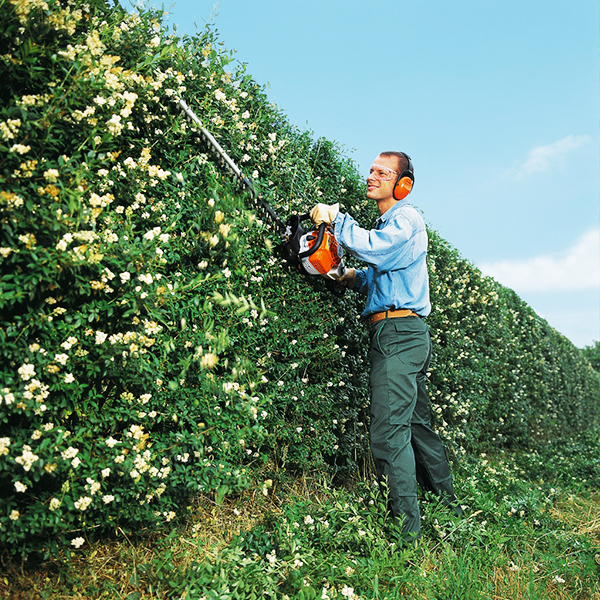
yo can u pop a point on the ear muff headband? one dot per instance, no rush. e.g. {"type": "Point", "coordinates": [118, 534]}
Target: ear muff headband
{"type": "Point", "coordinates": [405, 181]}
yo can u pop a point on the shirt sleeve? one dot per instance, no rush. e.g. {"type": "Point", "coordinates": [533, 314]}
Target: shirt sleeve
{"type": "Point", "coordinates": [360, 283]}
{"type": "Point", "coordinates": [394, 246]}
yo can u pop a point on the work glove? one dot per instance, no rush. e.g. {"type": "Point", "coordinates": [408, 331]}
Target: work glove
{"type": "Point", "coordinates": [324, 213]}
{"type": "Point", "coordinates": [348, 278]}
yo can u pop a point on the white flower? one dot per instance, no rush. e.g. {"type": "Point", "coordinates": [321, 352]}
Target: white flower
{"type": "Point", "coordinates": [100, 337]}
{"type": "Point", "coordinates": [69, 343]}
{"type": "Point", "coordinates": [61, 358]}
{"type": "Point", "coordinates": [54, 504]}
{"type": "Point", "coordinates": [77, 542]}
{"type": "Point", "coordinates": [150, 235]}
{"type": "Point", "coordinates": [20, 487]}
{"type": "Point", "coordinates": [308, 520]}
{"type": "Point", "coordinates": [348, 592]}
{"type": "Point", "coordinates": [27, 459]}
{"type": "Point", "coordinates": [69, 453]}
{"type": "Point", "coordinates": [209, 360]}
{"type": "Point", "coordinates": [4, 444]}
{"type": "Point", "coordinates": [114, 125]}
{"type": "Point", "coordinates": [94, 486]}
{"type": "Point", "coordinates": [111, 442]}
{"type": "Point", "coordinates": [69, 378]}
{"type": "Point", "coordinates": [26, 371]}
{"type": "Point", "coordinates": [108, 498]}
{"type": "Point", "coordinates": [14, 515]}
{"type": "Point", "coordinates": [20, 149]}
{"type": "Point", "coordinates": [83, 503]}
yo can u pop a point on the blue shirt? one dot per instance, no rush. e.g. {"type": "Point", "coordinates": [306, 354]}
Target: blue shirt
{"type": "Point", "coordinates": [396, 252]}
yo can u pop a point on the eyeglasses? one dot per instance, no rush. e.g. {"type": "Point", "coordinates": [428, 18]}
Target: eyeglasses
{"type": "Point", "coordinates": [382, 173]}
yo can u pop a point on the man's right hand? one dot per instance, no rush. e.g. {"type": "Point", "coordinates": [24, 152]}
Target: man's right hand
{"type": "Point", "coordinates": [348, 279]}
{"type": "Point", "coordinates": [324, 213]}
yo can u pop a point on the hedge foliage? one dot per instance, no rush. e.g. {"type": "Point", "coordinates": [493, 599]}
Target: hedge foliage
{"type": "Point", "coordinates": [154, 343]}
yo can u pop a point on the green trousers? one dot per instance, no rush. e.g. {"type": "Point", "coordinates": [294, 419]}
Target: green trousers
{"type": "Point", "coordinates": [405, 448]}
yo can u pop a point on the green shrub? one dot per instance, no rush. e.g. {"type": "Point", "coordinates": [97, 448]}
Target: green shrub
{"type": "Point", "coordinates": [154, 344]}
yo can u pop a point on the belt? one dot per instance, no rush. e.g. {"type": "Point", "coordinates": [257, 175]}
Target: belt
{"type": "Point", "coordinates": [390, 314]}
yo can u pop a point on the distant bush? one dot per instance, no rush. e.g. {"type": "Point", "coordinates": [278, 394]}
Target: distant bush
{"type": "Point", "coordinates": [501, 376]}
{"type": "Point", "coordinates": [153, 343]}
{"type": "Point", "coordinates": [592, 353]}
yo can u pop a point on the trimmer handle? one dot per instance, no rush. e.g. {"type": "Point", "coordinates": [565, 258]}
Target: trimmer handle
{"type": "Point", "coordinates": [317, 244]}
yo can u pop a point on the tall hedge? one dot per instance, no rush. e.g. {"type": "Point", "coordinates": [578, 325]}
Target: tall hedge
{"type": "Point", "coordinates": [154, 343]}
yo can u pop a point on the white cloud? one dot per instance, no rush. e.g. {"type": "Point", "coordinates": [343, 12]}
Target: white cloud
{"type": "Point", "coordinates": [544, 158]}
{"type": "Point", "coordinates": [578, 268]}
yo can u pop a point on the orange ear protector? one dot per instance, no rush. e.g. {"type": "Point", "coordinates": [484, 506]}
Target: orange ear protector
{"type": "Point", "coordinates": [405, 181]}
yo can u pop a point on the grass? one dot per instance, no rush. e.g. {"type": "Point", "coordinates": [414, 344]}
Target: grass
{"type": "Point", "coordinates": [519, 539]}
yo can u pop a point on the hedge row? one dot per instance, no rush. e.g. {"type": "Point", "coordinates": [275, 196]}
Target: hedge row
{"type": "Point", "coordinates": [154, 343]}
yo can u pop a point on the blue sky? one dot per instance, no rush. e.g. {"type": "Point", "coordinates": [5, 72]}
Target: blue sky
{"type": "Point", "coordinates": [496, 102]}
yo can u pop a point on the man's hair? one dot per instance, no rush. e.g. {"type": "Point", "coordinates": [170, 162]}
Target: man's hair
{"type": "Point", "coordinates": [402, 160]}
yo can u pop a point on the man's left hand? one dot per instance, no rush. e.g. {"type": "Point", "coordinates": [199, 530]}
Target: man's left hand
{"type": "Point", "coordinates": [348, 279]}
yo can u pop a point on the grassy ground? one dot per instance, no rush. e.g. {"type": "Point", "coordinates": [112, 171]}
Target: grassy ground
{"type": "Point", "coordinates": [520, 539]}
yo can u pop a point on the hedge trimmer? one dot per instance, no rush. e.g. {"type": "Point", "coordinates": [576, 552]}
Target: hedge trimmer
{"type": "Point", "coordinates": [315, 251]}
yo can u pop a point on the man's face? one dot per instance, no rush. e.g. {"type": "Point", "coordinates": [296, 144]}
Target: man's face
{"type": "Point", "coordinates": [380, 189]}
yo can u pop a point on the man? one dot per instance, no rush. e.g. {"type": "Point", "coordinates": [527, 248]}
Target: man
{"type": "Point", "coordinates": [405, 448]}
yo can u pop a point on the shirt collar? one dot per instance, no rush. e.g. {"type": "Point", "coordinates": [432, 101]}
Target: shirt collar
{"type": "Point", "coordinates": [390, 212]}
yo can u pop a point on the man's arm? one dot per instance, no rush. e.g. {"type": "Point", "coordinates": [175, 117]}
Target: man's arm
{"type": "Point", "coordinates": [395, 246]}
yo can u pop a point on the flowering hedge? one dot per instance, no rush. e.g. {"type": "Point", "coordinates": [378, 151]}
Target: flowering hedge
{"type": "Point", "coordinates": [154, 344]}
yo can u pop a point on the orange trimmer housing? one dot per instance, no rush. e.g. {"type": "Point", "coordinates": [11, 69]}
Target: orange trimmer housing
{"type": "Point", "coordinates": [320, 254]}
